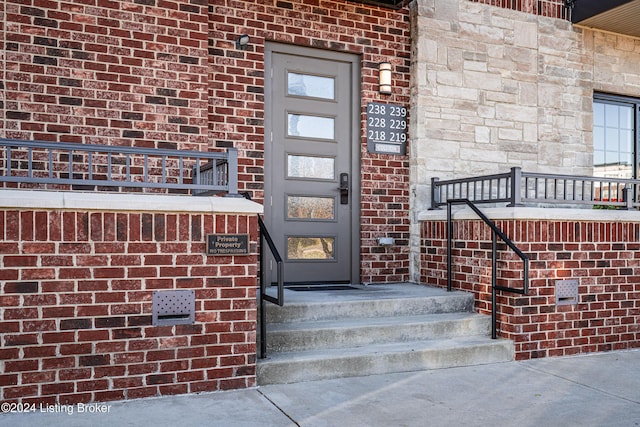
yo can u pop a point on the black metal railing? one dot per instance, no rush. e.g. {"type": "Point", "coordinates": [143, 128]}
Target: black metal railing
{"type": "Point", "coordinates": [495, 233]}
{"type": "Point", "coordinates": [57, 165]}
{"type": "Point", "coordinates": [518, 188]}
{"type": "Point", "coordinates": [265, 237]}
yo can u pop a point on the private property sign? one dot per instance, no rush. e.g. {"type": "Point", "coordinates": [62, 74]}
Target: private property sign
{"type": "Point", "coordinates": [227, 244]}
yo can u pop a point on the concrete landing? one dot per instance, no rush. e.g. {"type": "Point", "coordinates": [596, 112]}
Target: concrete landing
{"type": "Point", "coordinates": [364, 292]}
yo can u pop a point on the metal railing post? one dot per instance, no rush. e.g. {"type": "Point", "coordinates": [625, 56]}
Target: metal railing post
{"type": "Point", "coordinates": [627, 197]}
{"type": "Point", "coordinates": [435, 194]}
{"type": "Point", "coordinates": [449, 240]}
{"type": "Point", "coordinates": [494, 274]}
{"type": "Point", "coordinates": [516, 187]}
{"type": "Point", "coordinates": [232, 174]}
{"type": "Point", "coordinates": [9, 161]}
{"type": "Point", "coordinates": [263, 314]}
{"type": "Point", "coordinates": [496, 233]}
{"type": "Point", "coordinates": [265, 237]}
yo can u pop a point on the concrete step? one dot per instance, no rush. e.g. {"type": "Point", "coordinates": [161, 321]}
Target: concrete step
{"type": "Point", "coordinates": [302, 336]}
{"type": "Point", "coordinates": [371, 301]}
{"type": "Point", "coordinates": [315, 365]}
{"type": "Point", "coordinates": [375, 329]}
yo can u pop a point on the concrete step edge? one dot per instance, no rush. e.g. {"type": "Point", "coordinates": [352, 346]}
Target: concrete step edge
{"type": "Point", "coordinates": [312, 325]}
{"type": "Point", "coordinates": [380, 359]}
{"type": "Point", "coordinates": [338, 309]}
{"type": "Point", "coordinates": [359, 332]}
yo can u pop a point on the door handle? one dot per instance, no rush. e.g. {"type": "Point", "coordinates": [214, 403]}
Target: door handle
{"type": "Point", "coordinates": [344, 188]}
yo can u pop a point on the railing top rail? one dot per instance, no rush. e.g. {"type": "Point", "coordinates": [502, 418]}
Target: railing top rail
{"type": "Point", "coordinates": [519, 188]}
{"type": "Point", "coordinates": [579, 178]}
{"type": "Point", "coordinates": [98, 148]}
{"type": "Point", "coordinates": [472, 179]}
{"type": "Point", "coordinates": [440, 183]}
{"type": "Point", "coordinates": [94, 166]}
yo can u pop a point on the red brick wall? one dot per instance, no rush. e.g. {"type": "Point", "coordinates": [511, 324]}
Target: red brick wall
{"type": "Point", "coordinates": [139, 73]}
{"type": "Point", "coordinates": [107, 72]}
{"type": "Point", "coordinates": [236, 95]}
{"type": "Point", "coordinates": [76, 289]}
{"type": "Point", "coordinates": [603, 256]}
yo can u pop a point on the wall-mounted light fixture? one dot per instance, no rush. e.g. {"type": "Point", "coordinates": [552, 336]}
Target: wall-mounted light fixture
{"type": "Point", "coordinates": [242, 42]}
{"type": "Point", "coordinates": [384, 78]}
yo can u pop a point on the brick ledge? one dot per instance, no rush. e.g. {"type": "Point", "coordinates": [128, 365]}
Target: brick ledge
{"type": "Point", "coordinates": [38, 199]}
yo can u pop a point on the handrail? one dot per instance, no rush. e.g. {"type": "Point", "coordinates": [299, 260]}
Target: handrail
{"type": "Point", "coordinates": [518, 188]}
{"type": "Point", "coordinates": [279, 266]}
{"type": "Point", "coordinates": [494, 265]}
{"type": "Point", "coordinates": [87, 166]}
{"type": "Point", "coordinates": [279, 300]}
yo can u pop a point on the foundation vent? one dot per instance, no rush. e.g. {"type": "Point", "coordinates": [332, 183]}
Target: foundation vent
{"type": "Point", "coordinates": [174, 307]}
{"type": "Point", "coordinates": [566, 292]}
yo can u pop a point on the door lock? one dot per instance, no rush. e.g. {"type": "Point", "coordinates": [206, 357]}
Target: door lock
{"type": "Point", "coordinates": [344, 188]}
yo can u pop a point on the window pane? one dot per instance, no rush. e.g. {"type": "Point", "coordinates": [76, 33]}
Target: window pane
{"type": "Point", "coordinates": [598, 138]}
{"type": "Point", "coordinates": [320, 248]}
{"type": "Point", "coordinates": [612, 139]}
{"type": "Point", "coordinates": [626, 141]}
{"type": "Point", "coordinates": [611, 116]}
{"type": "Point", "coordinates": [626, 117]}
{"type": "Point", "coordinates": [310, 167]}
{"type": "Point", "coordinates": [311, 126]}
{"type": "Point", "coordinates": [304, 207]}
{"type": "Point", "coordinates": [312, 86]}
{"type": "Point", "coordinates": [598, 114]}
{"type": "Point", "coordinates": [612, 157]}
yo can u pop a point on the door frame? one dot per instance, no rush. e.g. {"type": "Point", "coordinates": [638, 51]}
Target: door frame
{"type": "Point", "coordinates": [356, 143]}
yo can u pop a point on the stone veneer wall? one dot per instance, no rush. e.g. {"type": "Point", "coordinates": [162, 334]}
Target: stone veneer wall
{"type": "Point", "coordinates": [495, 88]}
{"type": "Point", "coordinates": [77, 273]}
{"type": "Point", "coordinates": [599, 249]}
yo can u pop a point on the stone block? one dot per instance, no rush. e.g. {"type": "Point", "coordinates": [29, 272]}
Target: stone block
{"type": "Point", "coordinates": [526, 35]}
{"type": "Point", "coordinates": [483, 135]}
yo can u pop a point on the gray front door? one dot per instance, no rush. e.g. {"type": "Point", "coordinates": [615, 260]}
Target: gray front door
{"type": "Point", "coordinates": [311, 148]}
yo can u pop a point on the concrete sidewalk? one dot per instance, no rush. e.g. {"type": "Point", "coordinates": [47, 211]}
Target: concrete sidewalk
{"type": "Point", "coordinates": [591, 390]}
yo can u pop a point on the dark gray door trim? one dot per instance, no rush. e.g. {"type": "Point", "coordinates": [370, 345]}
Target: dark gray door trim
{"type": "Point", "coordinates": [355, 193]}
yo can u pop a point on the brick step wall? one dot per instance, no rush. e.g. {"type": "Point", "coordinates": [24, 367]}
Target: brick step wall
{"type": "Point", "coordinates": [598, 249]}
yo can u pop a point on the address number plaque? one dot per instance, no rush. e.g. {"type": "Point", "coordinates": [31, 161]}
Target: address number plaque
{"type": "Point", "coordinates": [386, 128]}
